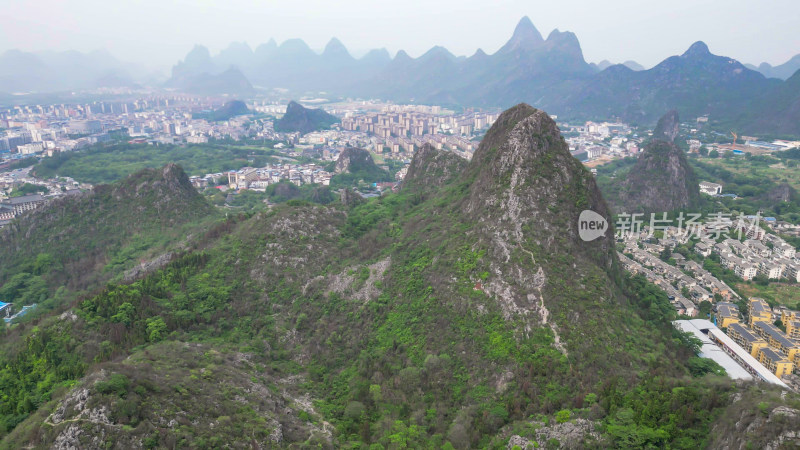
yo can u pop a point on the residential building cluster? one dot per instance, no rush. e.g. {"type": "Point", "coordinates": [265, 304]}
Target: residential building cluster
{"type": "Point", "coordinates": [49, 129]}
{"type": "Point", "coordinates": [775, 349]}
{"type": "Point", "coordinates": [14, 206]}
{"type": "Point", "coordinates": [592, 141]}
{"type": "Point", "coordinates": [258, 179]}
{"type": "Point", "coordinates": [406, 128]}
{"type": "Point", "coordinates": [685, 277]}
{"type": "Point", "coordinates": [764, 253]}
{"type": "Point", "coordinates": [687, 284]}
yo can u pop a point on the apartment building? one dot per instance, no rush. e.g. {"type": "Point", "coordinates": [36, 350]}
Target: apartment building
{"type": "Point", "coordinates": [759, 311]}
{"type": "Point", "coordinates": [746, 338]}
{"type": "Point", "coordinates": [778, 340]}
{"type": "Point", "coordinates": [775, 362]}
{"type": "Point", "coordinates": [727, 314]}
{"type": "Point", "coordinates": [793, 329]}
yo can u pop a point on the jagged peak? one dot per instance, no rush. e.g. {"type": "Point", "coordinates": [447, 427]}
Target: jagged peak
{"type": "Point", "coordinates": [402, 56]}
{"type": "Point", "coordinates": [525, 36]}
{"type": "Point", "coordinates": [697, 49]}
{"type": "Point", "coordinates": [198, 53]}
{"type": "Point", "coordinates": [479, 53]}
{"type": "Point", "coordinates": [171, 176]}
{"type": "Point", "coordinates": [526, 31]}
{"type": "Point", "coordinates": [504, 124]}
{"type": "Point", "coordinates": [294, 45]}
{"type": "Point", "coordinates": [271, 43]}
{"type": "Point", "coordinates": [557, 34]}
{"type": "Point", "coordinates": [667, 127]}
{"type": "Point", "coordinates": [438, 50]}
{"type": "Point", "coordinates": [431, 168]}
{"type": "Point", "coordinates": [521, 170]}
{"type": "Point", "coordinates": [335, 48]}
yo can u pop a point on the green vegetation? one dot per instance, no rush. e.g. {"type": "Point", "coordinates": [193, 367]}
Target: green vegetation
{"type": "Point", "coordinates": [79, 243]}
{"type": "Point", "coordinates": [763, 183]}
{"type": "Point", "coordinates": [775, 293]}
{"type": "Point", "coordinates": [105, 164]}
{"type": "Point", "coordinates": [397, 322]}
{"type": "Point", "coordinates": [249, 200]}
{"type": "Point", "coordinates": [27, 189]}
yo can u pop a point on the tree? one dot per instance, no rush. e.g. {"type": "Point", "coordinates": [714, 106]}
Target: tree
{"type": "Point", "coordinates": [705, 307]}
{"type": "Point", "coordinates": [156, 329]}
{"type": "Point", "coordinates": [713, 154]}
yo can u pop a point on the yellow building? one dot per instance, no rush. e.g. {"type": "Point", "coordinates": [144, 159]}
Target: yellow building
{"type": "Point", "coordinates": [776, 362]}
{"type": "Point", "coordinates": [746, 338]}
{"type": "Point", "coordinates": [787, 315]}
{"type": "Point", "coordinates": [777, 340]}
{"type": "Point", "coordinates": [727, 313]}
{"type": "Point", "coordinates": [759, 311]}
{"type": "Point", "coordinates": [793, 329]}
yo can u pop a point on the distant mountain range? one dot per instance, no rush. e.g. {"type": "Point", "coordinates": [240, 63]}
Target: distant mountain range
{"type": "Point", "coordinates": [549, 73]}
{"type": "Point", "coordinates": [782, 71]}
{"type": "Point", "coordinates": [59, 71]}
{"type": "Point", "coordinates": [605, 64]}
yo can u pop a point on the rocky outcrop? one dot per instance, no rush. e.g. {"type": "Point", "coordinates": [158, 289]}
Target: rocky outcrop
{"type": "Point", "coordinates": [353, 160]}
{"type": "Point", "coordinates": [667, 127]}
{"type": "Point", "coordinates": [760, 427]}
{"type": "Point", "coordinates": [304, 120]}
{"type": "Point", "coordinates": [432, 168]}
{"type": "Point", "coordinates": [575, 434]}
{"type": "Point", "coordinates": [662, 179]}
{"type": "Point", "coordinates": [525, 195]}
{"type": "Point", "coordinates": [350, 198]}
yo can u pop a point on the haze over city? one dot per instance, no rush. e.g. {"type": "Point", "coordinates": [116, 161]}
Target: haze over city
{"type": "Point", "coordinates": [159, 33]}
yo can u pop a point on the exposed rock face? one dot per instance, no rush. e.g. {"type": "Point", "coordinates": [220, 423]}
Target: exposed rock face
{"type": "Point", "coordinates": [751, 428]}
{"type": "Point", "coordinates": [350, 198]}
{"type": "Point", "coordinates": [523, 170]}
{"type": "Point", "coordinates": [354, 160]}
{"type": "Point", "coordinates": [662, 179]}
{"type": "Point", "coordinates": [431, 168]}
{"type": "Point", "coordinates": [667, 127]}
{"type": "Point", "coordinates": [781, 194]}
{"type": "Point", "coordinates": [525, 195]}
{"type": "Point", "coordinates": [575, 434]}
{"type": "Point", "coordinates": [303, 120]}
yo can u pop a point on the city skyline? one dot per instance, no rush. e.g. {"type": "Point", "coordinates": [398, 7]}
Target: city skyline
{"type": "Point", "coordinates": [158, 35]}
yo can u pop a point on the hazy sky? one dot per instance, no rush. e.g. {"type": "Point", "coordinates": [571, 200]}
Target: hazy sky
{"type": "Point", "coordinates": [161, 32]}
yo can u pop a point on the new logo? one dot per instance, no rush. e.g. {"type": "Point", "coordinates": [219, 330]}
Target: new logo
{"type": "Point", "coordinates": [591, 225]}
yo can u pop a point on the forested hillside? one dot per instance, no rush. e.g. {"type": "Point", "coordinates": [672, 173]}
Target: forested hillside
{"type": "Point", "coordinates": [464, 312]}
